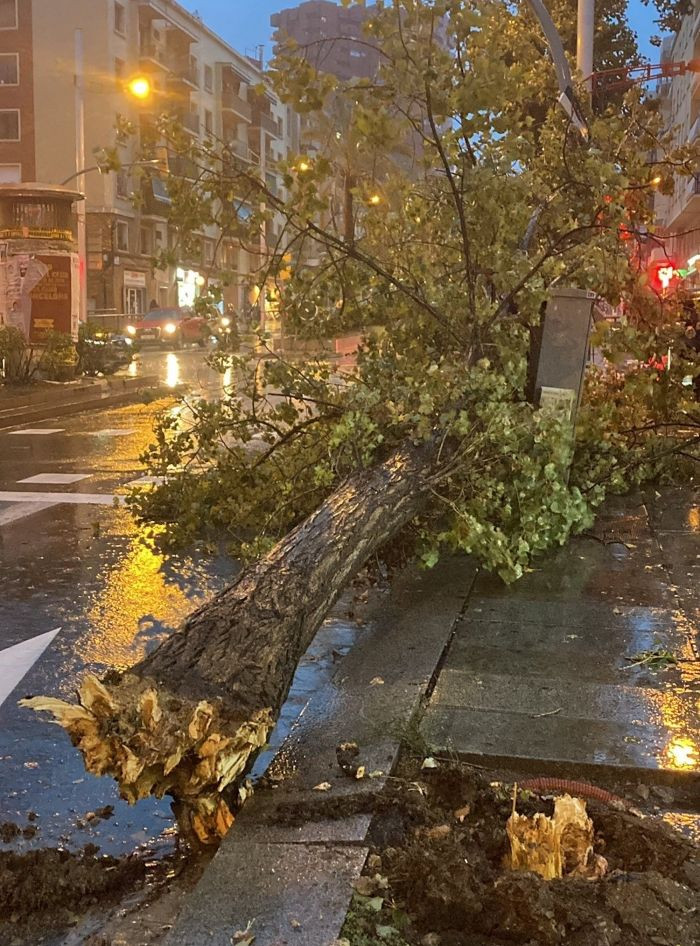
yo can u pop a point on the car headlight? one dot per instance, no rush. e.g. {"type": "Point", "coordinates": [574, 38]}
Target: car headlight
{"type": "Point", "coordinates": [225, 321]}
{"type": "Point", "coordinates": [131, 329]}
{"type": "Point", "coordinates": [128, 341]}
{"type": "Point", "coordinates": [170, 328]}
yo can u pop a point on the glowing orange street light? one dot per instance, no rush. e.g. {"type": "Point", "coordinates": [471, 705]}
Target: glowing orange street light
{"type": "Point", "coordinates": [375, 199]}
{"type": "Point", "coordinates": [303, 166]}
{"type": "Point", "coordinates": [140, 88]}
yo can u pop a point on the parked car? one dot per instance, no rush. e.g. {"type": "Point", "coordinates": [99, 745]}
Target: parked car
{"type": "Point", "coordinates": [103, 353]}
{"type": "Point", "coordinates": [169, 328]}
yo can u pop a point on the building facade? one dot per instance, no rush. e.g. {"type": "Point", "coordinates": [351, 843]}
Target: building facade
{"type": "Point", "coordinates": [678, 215]}
{"type": "Point", "coordinates": [194, 74]}
{"type": "Point", "coordinates": [330, 36]}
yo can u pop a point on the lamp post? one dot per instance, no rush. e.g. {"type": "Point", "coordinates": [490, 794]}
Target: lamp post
{"type": "Point", "coordinates": [584, 41]}
{"type": "Point", "coordinates": [79, 81]}
{"type": "Point", "coordinates": [139, 88]}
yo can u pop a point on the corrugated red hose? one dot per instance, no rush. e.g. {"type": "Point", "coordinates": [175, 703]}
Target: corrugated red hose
{"type": "Point", "coordinates": [582, 789]}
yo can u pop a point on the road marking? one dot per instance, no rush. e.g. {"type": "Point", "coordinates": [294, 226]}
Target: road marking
{"type": "Point", "coordinates": [37, 431]}
{"type": "Point", "coordinates": [147, 481]}
{"type": "Point", "coordinates": [16, 661]}
{"type": "Point", "coordinates": [73, 499]}
{"type": "Point", "coordinates": [115, 432]}
{"type": "Point", "coordinates": [56, 479]}
{"type": "Point", "coordinates": [21, 511]}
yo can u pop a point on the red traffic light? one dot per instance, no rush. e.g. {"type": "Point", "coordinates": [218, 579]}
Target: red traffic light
{"type": "Point", "coordinates": [663, 275]}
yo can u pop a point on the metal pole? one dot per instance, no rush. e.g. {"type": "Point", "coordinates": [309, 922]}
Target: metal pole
{"type": "Point", "coordinates": [584, 41]}
{"type": "Point", "coordinates": [79, 165]}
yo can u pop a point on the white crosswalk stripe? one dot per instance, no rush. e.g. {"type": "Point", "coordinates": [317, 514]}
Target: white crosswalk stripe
{"type": "Point", "coordinates": [17, 661]}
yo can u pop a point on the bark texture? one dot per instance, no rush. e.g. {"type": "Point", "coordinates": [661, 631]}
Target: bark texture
{"type": "Point", "coordinates": [189, 719]}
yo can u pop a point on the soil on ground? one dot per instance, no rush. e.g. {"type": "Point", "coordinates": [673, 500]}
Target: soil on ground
{"type": "Point", "coordinates": [436, 874]}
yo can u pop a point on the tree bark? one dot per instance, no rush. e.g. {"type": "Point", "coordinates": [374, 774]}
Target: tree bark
{"type": "Point", "coordinates": [190, 718]}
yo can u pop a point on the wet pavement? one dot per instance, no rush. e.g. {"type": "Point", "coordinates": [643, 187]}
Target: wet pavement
{"type": "Point", "coordinates": [81, 592]}
{"type": "Point", "coordinates": [556, 671]}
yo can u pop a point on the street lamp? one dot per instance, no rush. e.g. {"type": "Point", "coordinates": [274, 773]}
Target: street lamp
{"type": "Point", "coordinates": [140, 87]}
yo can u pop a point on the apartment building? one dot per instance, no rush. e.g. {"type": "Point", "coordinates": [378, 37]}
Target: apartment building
{"type": "Point", "coordinates": [194, 74]}
{"type": "Point", "coordinates": [678, 216]}
{"type": "Point", "coordinates": [331, 37]}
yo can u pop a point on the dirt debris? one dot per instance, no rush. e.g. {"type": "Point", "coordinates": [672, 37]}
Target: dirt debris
{"type": "Point", "coordinates": [48, 888]}
{"type": "Point", "coordinates": [447, 881]}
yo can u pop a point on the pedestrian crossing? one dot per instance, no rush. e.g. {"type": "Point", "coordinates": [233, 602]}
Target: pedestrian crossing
{"type": "Point", "coordinates": [24, 503]}
{"type": "Point", "coordinates": [17, 661]}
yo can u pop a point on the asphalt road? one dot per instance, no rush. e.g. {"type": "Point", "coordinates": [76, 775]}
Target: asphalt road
{"type": "Point", "coordinates": [80, 591]}
{"type": "Point", "coordinates": [71, 560]}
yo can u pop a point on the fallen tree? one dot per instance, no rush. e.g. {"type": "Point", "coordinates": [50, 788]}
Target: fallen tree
{"type": "Point", "coordinates": [431, 431]}
{"type": "Point", "coordinates": [186, 720]}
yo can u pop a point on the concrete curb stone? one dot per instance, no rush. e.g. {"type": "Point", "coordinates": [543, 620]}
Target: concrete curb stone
{"type": "Point", "coordinates": [279, 875]}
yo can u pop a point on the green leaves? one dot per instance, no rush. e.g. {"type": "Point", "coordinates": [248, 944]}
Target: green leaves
{"type": "Point", "coordinates": [485, 201]}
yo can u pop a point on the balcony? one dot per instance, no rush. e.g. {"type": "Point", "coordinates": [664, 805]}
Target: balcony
{"type": "Point", "coordinates": [160, 11]}
{"type": "Point", "coordinates": [243, 151]}
{"type": "Point", "coordinates": [184, 74]}
{"type": "Point", "coordinates": [156, 199]}
{"type": "Point", "coordinates": [189, 121]}
{"type": "Point", "coordinates": [685, 204]}
{"type": "Point", "coordinates": [154, 54]}
{"type": "Point", "coordinates": [232, 102]}
{"type": "Point", "coordinates": [180, 165]}
{"type": "Point", "coordinates": [266, 122]}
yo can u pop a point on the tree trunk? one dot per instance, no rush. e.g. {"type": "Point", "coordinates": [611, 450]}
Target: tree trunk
{"type": "Point", "coordinates": [190, 718]}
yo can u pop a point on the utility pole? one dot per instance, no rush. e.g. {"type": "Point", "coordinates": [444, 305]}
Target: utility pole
{"type": "Point", "coordinates": [79, 166]}
{"type": "Point", "coordinates": [584, 41]}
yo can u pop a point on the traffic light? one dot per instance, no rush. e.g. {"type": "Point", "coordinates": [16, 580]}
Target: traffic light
{"type": "Point", "coordinates": [663, 276]}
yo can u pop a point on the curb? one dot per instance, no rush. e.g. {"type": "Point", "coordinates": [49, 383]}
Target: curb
{"type": "Point", "coordinates": [97, 395]}
{"type": "Point", "coordinates": [294, 883]}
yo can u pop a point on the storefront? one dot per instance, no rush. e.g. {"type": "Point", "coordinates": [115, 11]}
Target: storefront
{"type": "Point", "coordinates": [135, 292]}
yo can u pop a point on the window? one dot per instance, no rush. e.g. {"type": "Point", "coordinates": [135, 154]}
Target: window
{"type": "Point", "coordinates": [208, 122]}
{"type": "Point", "coordinates": [158, 240]}
{"type": "Point", "coordinates": [9, 69]}
{"type": "Point", "coordinates": [208, 78]}
{"type": "Point", "coordinates": [10, 173]}
{"type": "Point", "coordinates": [119, 19]}
{"type": "Point", "coordinates": [119, 66]}
{"type": "Point", "coordinates": [123, 236]}
{"type": "Point", "coordinates": [8, 14]}
{"type": "Point", "coordinates": [194, 70]}
{"type": "Point", "coordinates": [9, 124]}
{"type": "Point", "coordinates": [208, 251]}
{"type": "Point", "coordinates": [145, 241]}
{"type": "Point", "coordinates": [122, 183]}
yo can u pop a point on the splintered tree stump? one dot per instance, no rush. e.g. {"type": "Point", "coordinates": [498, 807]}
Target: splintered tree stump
{"type": "Point", "coordinates": [190, 718]}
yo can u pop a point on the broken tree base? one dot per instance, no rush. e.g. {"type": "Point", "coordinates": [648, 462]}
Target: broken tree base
{"type": "Point", "coordinates": [154, 743]}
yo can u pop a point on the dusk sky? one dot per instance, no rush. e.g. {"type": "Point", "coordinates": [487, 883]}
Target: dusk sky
{"type": "Point", "coordinates": [246, 23]}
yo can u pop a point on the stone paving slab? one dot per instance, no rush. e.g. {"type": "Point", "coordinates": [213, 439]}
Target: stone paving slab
{"type": "Point", "coordinates": [539, 674]}
{"type": "Point", "coordinates": [509, 607]}
{"type": "Point", "coordinates": [558, 653]}
{"type": "Point", "coordinates": [543, 746]}
{"type": "Point", "coordinates": [538, 697]}
{"type": "Point", "coordinates": [275, 886]}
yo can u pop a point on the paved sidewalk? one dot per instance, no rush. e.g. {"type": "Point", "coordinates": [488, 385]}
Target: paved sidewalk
{"type": "Point", "coordinates": [530, 677]}
{"type": "Point", "coordinates": [541, 676]}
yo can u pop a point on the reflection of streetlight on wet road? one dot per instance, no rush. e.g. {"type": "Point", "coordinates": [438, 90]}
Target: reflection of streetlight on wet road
{"type": "Point", "coordinates": [682, 753]}
{"type": "Point", "coordinates": [172, 370]}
